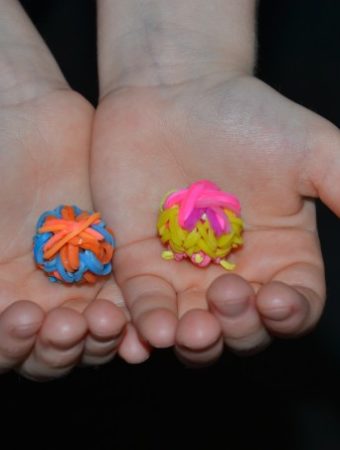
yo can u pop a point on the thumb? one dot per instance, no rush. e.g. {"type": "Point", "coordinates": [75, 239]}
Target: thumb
{"type": "Point", "coordinates": [323, 165]}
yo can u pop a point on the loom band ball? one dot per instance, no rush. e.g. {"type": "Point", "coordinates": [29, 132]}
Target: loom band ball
{"type": "Point", "coordinates": [208, 231]}
{"type": "Point", "coordinates": [72, 245]}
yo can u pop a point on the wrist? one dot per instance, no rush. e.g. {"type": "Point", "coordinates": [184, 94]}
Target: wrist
{"type": "Point", "coordinates": [157, 42]}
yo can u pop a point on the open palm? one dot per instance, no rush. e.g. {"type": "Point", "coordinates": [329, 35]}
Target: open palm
{"type": "Point", "coordinates": [242, 135]}
{"type": "Point", "coordinates": [45, 136]}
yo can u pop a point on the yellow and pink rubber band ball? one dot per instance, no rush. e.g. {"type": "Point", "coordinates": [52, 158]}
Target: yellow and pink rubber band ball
{"type": "Point", "coordinates": [200, 223]}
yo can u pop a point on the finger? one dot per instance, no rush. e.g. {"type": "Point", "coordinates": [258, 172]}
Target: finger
{"type": "Point", "coordinates": [27, 68]}
{"type": "Point", "coordinates": [292, 303]}
{"type": "Point", "coordinates": [133, 349]}
{"type": "Point", "coordinates": [201, 358]}
{"type": "Point", "coordinates": [19, 325]}
{"type": "Point", "coordinates": [152, 305]}
{"type": "Point", "coordinates": [58, 347]}
{"type": "Point", "coordinates": [232, 299]}
{"type": "Point", "coordinates": [197, 328]}
{"type": "Point", "coordinates": [106, 320]}
{"type": "Point", "coordinates": [198, 338]}
{"type": "Point", "coordinates": [106, 325]}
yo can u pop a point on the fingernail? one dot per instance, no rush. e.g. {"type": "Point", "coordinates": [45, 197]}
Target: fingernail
{"type": "Point", "coordinates": [232, 308]}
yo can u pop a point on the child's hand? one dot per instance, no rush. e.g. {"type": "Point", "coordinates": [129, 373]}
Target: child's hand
{"type": "Point", "coordinates": [45, 132]}
{"type": "Point", "coordinates": [273, 154]}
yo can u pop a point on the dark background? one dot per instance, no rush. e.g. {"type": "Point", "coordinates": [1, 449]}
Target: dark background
{"type": "Point", "coordinates": [285, 398]}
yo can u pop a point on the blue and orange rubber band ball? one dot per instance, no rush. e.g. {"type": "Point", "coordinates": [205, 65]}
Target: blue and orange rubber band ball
{"type": "Point", "coordinates": [200, 223]}
{"type": "Point", "coordinates": [73, 246]}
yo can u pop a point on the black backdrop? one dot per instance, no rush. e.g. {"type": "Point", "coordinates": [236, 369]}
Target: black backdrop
{"type": "Point", "coordinates": [285, 398]}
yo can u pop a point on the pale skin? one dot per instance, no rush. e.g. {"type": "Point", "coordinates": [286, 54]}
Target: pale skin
{"type": "Point", "coordinates": [177, 104]}
{"type": "Point", "coordinates": [45, 136]}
